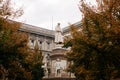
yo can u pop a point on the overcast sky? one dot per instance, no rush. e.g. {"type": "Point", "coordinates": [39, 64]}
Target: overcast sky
{"type": "Point", "coordinates": [47, 13]}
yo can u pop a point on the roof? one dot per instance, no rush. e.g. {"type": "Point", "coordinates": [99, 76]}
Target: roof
{"type": "Point", "coordinates": [67, 29]}
{"type": "Point", "coordinates": [37, 30]}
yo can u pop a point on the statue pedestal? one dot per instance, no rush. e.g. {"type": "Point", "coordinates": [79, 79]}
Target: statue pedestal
{"type": "Point", "coordinates": [58, 46]}
{"type": "Point", "coordinates": [58, 61]}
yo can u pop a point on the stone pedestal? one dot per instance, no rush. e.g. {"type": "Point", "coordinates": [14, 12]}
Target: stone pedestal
{"type": "Point", "coordinates": [58, 62]}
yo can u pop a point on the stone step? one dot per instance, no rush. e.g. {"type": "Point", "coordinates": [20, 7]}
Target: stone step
{"type": "Point", "coordinates": [59, 79]}
{"type": "Point", "coordinates": [63, 75]}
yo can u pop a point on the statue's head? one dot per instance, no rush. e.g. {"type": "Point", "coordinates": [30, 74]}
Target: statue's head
{"type": "Point", "coordinates": [58, 24]}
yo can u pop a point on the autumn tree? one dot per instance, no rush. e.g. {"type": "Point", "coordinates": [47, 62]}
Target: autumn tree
{"type": "Point", "coordinates": [95, 50]}
{"type": "Point", "coordinates": [37, 70]}
{"type": "Point", "coordinates": [13, 45]}
{"type": "Point", "coordinates": [7, 10]}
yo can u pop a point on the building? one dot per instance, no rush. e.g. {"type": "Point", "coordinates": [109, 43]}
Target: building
{"type": "Point", "coordinates": [50, 42]}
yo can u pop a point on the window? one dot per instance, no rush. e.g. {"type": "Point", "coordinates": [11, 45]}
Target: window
{"type": "Point", "coordinates": [32, 42]}
{"type": "Point", "coordinates": [40, 44]}
{"type": "Point", "coordinates": [48, 45]}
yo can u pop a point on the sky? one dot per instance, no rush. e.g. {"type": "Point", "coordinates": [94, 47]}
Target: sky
{"type": "Point", "coordinates": [47, 13]}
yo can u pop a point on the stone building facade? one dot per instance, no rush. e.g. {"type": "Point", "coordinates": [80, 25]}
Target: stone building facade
{"type": "Point", "coordinates": [45, 39]}
{"type": "Point", "coordinates": [50, 42]}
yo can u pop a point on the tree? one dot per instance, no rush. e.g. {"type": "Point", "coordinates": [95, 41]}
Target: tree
{"type": "Point", "coordinates": [95, 50]}
{"type": "Point", "coordinates": [37, 70]}
{"type": "Point", "coordinates": [17, 60]}
{"type": "Point", "coordinates": [13, 45]}
{"type": "Point", "coordinates": [7, 11]}
{"type": "Point", "coordinates": [13, 49]}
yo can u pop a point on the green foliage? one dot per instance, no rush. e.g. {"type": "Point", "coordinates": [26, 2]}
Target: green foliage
{"type": "Point", "coordinates": [95, 50]}
{"type": "Point", "coordinates": [37, 70]}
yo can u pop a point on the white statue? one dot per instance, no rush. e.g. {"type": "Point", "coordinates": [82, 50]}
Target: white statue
{"type": "Point", "coordinates": [58, 34]}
